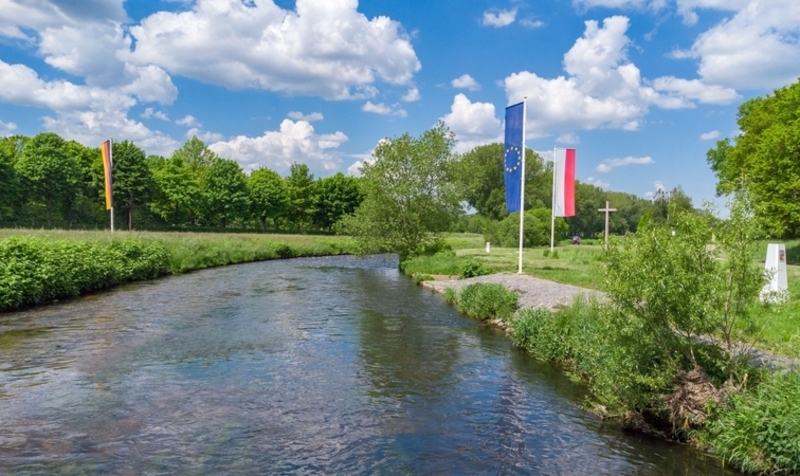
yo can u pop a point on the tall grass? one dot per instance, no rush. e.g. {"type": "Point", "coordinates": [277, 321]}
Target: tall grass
{"type": "Point", "coordinates": [484, 301]}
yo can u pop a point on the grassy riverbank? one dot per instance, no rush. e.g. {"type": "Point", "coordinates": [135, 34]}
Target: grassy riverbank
{"type": "Point", "coordinates": [752, 425]}
{"type": "Point", "coordinates": [40, 266]}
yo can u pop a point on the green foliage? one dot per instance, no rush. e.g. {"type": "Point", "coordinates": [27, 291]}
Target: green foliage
{"type": "Point", "coordinates": [536, 229]}
{"type": "Point", "coordinates": [759, 430]}
{"type": "Point", "coordinates": [765, 159]}
{"type": "Point", "coordinates": [36, 270]}
{"type": "Point", "coordinates": [226, 194]}
{"type": "Point", "coordinates": [132, 179]}
{"type": "Point", "coordinates": [268, 195]}
{"type": "Point", "coordinates": [471, 268]}
{"type": "Point", "coordinates": [409, 194]}
{"type": "Point", "coordinates": [335, 197]}
{"type": "Point", "coordinates": [487, 301]}
{"type": "Point", "coordinates": [299, 186]}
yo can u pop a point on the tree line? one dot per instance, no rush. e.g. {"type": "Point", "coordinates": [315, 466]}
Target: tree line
{"type": "Point", "coordinates": [47, 181]}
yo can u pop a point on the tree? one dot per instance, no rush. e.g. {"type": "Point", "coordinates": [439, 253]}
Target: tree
{"type": "Point", "coordinates": [177, 190]}
{"type": "Point", "coordinates": [666, 204]}
{"type": "Point", "coordinates": [268, 195]}
{"type": "Point", "coordinates": [765, 159]}
{"type": "Point", "coordinates": [409, 193]}
{"type": "Point", "coordinates": [226, 195]}
{"type": "Point", "coordinates": [334, 197]}
{"type": "Point", "coordinates": [132, 181]}
{"type": "Point", "coordinates": [299, 188]}
{"type": "Point", "coordinates": [480, 177]}
{"type": "Point", "coordinates": [49, 175]}
{"type": "Point", "coordinates": [10, 192]}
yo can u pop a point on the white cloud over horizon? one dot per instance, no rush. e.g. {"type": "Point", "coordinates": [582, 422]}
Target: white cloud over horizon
{"type": "Point", "coordinates": [499, 18]}
{"type": "Point", "coordinates": [474, 124]}
{"type": "Point", "coordinates": [608, 164]}
{"type": "Point", "coordinates": [710, 135]}
{"type": "Point", "coordinates": [465, 81]}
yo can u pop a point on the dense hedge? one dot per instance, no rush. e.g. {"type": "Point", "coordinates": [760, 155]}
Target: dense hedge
{"type": "Point", "coordinates": [36, 270]}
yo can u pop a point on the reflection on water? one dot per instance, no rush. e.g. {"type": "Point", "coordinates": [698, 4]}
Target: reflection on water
{"type": "Point", "coordinates": [313, 366]}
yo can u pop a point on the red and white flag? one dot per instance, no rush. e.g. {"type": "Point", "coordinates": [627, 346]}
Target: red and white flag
{"type": "Point", "coordinates": [564, 193]}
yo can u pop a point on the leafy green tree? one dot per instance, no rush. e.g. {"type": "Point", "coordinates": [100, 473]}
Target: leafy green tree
{"type": "Point", "coordinates": [132, 181]}
{"type": "Point", "coordinates": [481, 180]}
{"type": "Point", "coordinates": [186, 181]}
{"type": "Point", "coordinates": [268, 196]}
{"type": "Point", "coordinates": [177, 190]}
{"type": "Point", "coordinates": [299, 186]}
{"type": "Point", "coordinates": [535, 232]}
{"type": "Point", "coordinates": [226, 195]}
{"type": "Point", "coordinates": [10, 192]}
{"type": "Point", "coordinates": [409, 191]}
{"type": "Point", "coordinates": [49, 174]}
{"type": "Point", "coordinates": [666, 203]}
{"type": "Point", "coordinates": [765, 159]}
{"type": "Point", "coordinates": [334, 197]}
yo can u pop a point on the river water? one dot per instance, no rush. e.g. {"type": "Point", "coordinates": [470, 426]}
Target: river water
{"type": "Point", "coordinates": [333, 365]}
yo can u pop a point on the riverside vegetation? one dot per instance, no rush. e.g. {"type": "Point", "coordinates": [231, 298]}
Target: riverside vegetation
{"type": "Point", "coordinates": [42, 266]}
{"type": "Point", "coordinates": [664, 354]}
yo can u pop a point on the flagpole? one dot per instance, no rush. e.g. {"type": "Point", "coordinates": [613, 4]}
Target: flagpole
{"type": "Point", "coordinates": [522, 186]}
{"type": "Point", "coordinates": [110, 173]}
{"type": "Point", "coordinates": [553, 207]}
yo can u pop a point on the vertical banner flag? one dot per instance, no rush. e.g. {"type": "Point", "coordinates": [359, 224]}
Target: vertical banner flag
{"type": "Point", "coordinates": [512, 155]}
{"type": "Point", "coordinates": [564, 202]}
{"type": "Point", "coordinates": [105, 148]}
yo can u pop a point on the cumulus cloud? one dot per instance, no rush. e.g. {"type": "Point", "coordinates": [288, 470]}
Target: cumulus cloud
{"type": "Point", "coordinates": [465, 81]}
{"type": "Point", "coordinates": [597, 182]}
{"type": "Point", "coordinates": [531, 23]}
{"type": "Point", "coordinates": [7, 128]}
{"type": "Point", "coordinates": [499, 19]}
{"type": "Point", "coordinates": [294, 142]}
{"type": "Point", "coordinates": [150, 112]}
{"type": "Point", "coordinates": [686, 8]}
{"type": "Point", "coordinates": [609, 164]}
{"type": "Point", "coordinates": [757, 48]}
{"type": "Point", "coordinates": [412, 95]}
{"type": "Point", "coordinates": [474, 124]}
{"type": "Point", "coordinates": [19, 17]}
{"type": "Point", "coordinates": [568, 138]}
{"type": "Point", "coordinates": [711, 135]}
{"type": "Point", "coordinates": [602, 88]}
{"type": "Point", "coordinates": [189, 121]}
{"type": "Point", "coordinates": [299, 116]}
{"type": "Point", "coordinates": [322, 48]}
{"type": "Point", "coordinates": [383, 109]}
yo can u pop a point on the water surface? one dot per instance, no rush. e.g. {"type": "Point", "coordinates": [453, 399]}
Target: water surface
{"type": "Point", "coordinates": [308, 366]}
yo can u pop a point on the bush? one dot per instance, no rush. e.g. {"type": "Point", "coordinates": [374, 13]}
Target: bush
{"type": "Point", "coordinates": [487, 301]}
{"type": "Point", "coordinates": [758, 430]}
{"type": "Point", "coordinates": [471, 268]}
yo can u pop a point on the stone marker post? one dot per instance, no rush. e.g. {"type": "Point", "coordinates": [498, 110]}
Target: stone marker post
{"type": "Point", "coordinates": [776, 290]}
{"type": "Point", "coordinates": [607, 211]}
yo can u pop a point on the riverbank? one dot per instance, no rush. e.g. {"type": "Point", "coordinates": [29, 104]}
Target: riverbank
{"type": "Point", "coordinates": [752, 426]}
{"type": "Point", "coordinates": [42, 266]}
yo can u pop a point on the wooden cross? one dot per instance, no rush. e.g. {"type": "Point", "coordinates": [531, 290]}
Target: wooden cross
{"type": "Point", "coordinates": [607, 211]}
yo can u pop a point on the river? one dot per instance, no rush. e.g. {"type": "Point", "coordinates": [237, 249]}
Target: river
{"type": "Point", "coordinates": [333, 365]}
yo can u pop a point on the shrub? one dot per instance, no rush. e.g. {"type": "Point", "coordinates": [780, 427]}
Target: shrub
{"type": "Point", "coordinates": [487, 301]}
{"type": "Point", "coordinates": [470, 268]}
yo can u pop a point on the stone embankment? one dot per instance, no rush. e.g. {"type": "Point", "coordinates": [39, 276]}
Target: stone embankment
{"type": "Point", "coordinates": [536, 292]}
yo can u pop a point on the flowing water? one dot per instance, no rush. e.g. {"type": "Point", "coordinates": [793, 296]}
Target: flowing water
{"type": "Point", "coordinates": [308, 366]}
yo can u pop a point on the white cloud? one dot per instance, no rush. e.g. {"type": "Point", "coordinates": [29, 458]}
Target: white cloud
{"type": "Point", "coordinates": [532, 23]}
{"type": "Point", "coordinates": [189, 121]}
{"type": "Point", "coordinates": [602, 89]}
{"type": "Point", "coordinates": [597, 182]}
{"type": "Point", "coordinates": [569, 138]}
{"type": "Point", "coordinates": [322, 48]}
{"type": "Point", "coordinates": [686, 8]}
{"type": "Point", "coordinates": [711, 135]}
{"type": "Point", "coordinates": [757, 48]}
{"type": "Point", "coordinates": [294, 142]}
{"type": "Point", "coordinates": [383, 109]}
{"type": "Point", "coordinates": [500, 19]}
{"type": "Point", "coordinates": [609, 164]}
{"type": "Point", "coordinates": [7, 128]}
{"type": "Point", "coordinates": [354, 170]}
{"type": "Point", "coordinates": [474, 124]}
{"type": "Point", "coordinates": [20, 16]}
{"type": "Point", "coordinates": [609, 3]}
{"type": "Point", "coordinates": [659, 186]}
{"type": "Point", "coordinates": [207, 137]}
{"type": "Point", "coordinates": [150, 112]}
{"type": "Point", "coordinates": [412, 95]}
{"type": "Point", "coordinates": [299, 116]}
{"type": "Point", "coordinates": [465, 81]}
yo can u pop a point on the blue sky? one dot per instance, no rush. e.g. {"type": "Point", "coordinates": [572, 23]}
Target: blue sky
{"type": "Point", "coordinates": [641, 88]}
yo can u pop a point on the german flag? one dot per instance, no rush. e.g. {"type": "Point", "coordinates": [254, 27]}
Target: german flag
{"type": "Point", "coordinates": [105, 148]}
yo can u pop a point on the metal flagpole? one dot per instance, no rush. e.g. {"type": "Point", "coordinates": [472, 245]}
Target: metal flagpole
{"type": "Point", "coordinates": [522, 185]}
{"type": "Point", "coordinates": [553, 207]}
{"type": "Point", "coordinates": [111, 174]}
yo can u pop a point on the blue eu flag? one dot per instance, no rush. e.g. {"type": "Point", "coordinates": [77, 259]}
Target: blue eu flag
{"type": "Point", "coordinates": [512, 155]}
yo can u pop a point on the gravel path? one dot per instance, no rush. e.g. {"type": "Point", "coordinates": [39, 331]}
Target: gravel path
{"type": "Point", "coordinates": [533, 292]}
{"type": "Point", "coordinates": [536, 292]}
